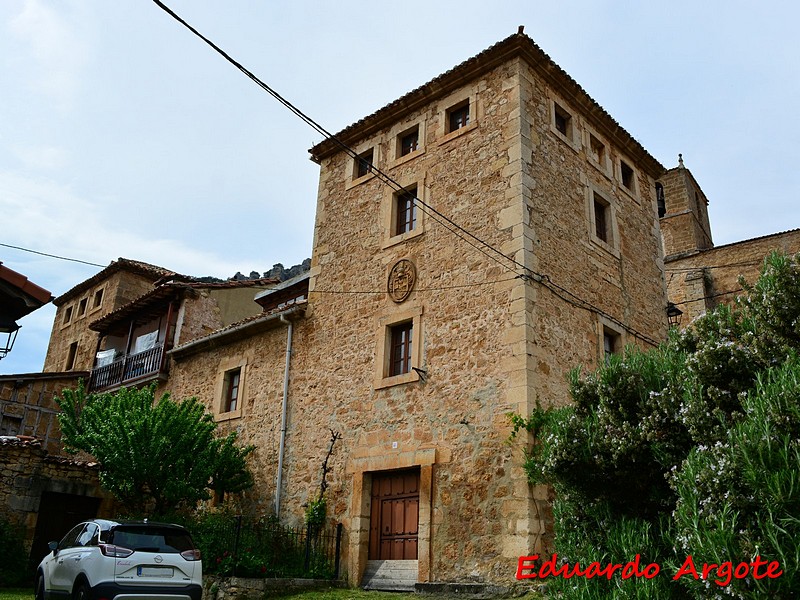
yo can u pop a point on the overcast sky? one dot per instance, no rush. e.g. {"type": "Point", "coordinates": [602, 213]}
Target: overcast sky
{"type": "Point", "coordinates": [122, 134]}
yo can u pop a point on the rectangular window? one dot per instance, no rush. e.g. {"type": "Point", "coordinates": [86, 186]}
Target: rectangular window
{"type": "Point", "coordinates": [601, 219]}
{"type": "Point", "coordinates": [627, 175]}
{"type": "Point", "coordinates": [67, 315]}
{"type": "Point", "coordinates": [231, 390]}
{"type": "Point", "coordinates": [409, 141]}
{"type": "Point", "coordinates": [598, 150]}
{"type": "Point", "coordinates": [611, 342]}
{"type": "Point", "coordinates": [82, 307]}
{"type": "Point", "coordinates": [98, 299]}
{"type": "Point", "coordinates": [363, 164]}
{"type": "Point", "coordinates": [458, 116]}
{"type": "Point", "coordinates": [405, 210]}
{"type": "Point", "coordinates": [400, 348]}
{"type": "Point", "coordinates": [562, 121]}
{"type": "Point", "coordinates": [73, 351]}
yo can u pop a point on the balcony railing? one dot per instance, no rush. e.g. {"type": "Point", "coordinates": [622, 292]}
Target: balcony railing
{"type": "Point", "coordinates": [126, 369]}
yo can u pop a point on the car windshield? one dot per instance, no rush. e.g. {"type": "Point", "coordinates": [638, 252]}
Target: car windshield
{"type": "Point", "coordinates": [152, 538]}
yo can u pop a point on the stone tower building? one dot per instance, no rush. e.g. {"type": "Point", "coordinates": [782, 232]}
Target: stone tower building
{"type": "Point", "coordinates": [420, 338]}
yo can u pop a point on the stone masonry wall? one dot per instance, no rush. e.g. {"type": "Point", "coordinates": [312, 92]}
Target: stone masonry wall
{"type": "Point", "coordinates": [616, 284]}
{"type": "Point", "coordinates": [27, 407]}
{"type": "Point", "coordinates": [700, 282]}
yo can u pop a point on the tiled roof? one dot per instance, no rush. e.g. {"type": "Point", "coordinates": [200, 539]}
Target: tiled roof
{"type": "Point", "coordinates": [121, 264]}
{"type": "Point", "coordinates": [518, 44]}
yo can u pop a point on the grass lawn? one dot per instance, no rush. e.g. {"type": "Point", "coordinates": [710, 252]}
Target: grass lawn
{"type": "Point", "coordinates": [16, 593]}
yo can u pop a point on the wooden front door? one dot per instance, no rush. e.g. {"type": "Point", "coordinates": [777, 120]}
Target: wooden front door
{"type": "Point", "coordinates": [394, 516]}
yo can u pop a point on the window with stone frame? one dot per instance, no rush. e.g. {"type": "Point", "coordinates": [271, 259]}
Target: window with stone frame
{"type": "Point", "coordinates": [231, 386]}
{"type": "Point", "coordinates": [408, 141]}
{"type": "Point", "coordinates": [602, 219]}
{"type": "Point", "coordinates": [400, 348]}
{"type": "Point", "coordinates": [612, 342]}
{"type": "Point", "coordinates": [72, 353]}
{"type": "Point", "coordinates": [67, 315]}
{"type": "Point", "coordinates": [457, 116]}
{"type": "Point", "coordinates": [362, 164]}
{"type": "Point", "coordinates": [98, 299]}
{"type": "Point", "coordinates": [627, 176]}
{"type": "Point", "coordinates": [405, 210]}
{"type": "Point", "coordinates": [562, 121]}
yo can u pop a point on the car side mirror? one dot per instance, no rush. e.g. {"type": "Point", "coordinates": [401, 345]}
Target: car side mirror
{"type": "Point", "coordinates": [53, 546]}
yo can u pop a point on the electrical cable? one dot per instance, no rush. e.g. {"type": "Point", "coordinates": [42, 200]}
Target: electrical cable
{"type": "Point", "coordinates": [52, 255]}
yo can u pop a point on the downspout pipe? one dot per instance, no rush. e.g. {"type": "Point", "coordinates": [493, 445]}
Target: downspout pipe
{"type": "Point", "coordinates": [284, 410]}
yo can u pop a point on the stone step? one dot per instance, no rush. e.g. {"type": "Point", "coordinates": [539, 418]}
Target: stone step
{"type": "Point", "coordinates": [390, 575]}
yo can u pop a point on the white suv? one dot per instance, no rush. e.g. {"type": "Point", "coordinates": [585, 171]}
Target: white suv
{"type": "Point", "coordinates": [109, 560]}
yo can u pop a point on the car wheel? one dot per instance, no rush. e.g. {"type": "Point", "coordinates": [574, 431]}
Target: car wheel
{"type": "Point", "coordinates": [81, 592]}
{"type": "Point", "coordinates": [39, 588]}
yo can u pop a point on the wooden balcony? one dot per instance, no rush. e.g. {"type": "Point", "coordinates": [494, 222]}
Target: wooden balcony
{"type": "Point", "coordinates": [128, 370]}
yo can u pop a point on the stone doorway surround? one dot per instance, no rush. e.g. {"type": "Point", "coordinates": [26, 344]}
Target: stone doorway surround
{"type": "Point", "coordinates": [361, 466]}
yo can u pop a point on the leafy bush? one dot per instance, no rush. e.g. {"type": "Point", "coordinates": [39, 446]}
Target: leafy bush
{"type": "Point", "coordinates": [691, 448]}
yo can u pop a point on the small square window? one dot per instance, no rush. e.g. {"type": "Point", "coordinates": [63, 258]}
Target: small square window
{"type": "Point", "coordinates": [602, 218]}
{"type": "Point", "coordinates": [458, 116]}
{"type": "Point", "coordinates": [98, 299]}
{"type": "Point", "coordinates": [627, 176]}
{"type": "Point", "coordinates": [598, 150]}
{"type": "Point", "coordinates": [67, 315]}
{"type": "Point", "coordinates": [82, 307]}
{"type": "Point", "coordinates": [400, 348]}
{"type": "Point", "coordinates": [405, 210]}
{"type": "Point", "coordinates": [409, 141]}
{"type": "Point", "coordinates": [363, 164]}
{"type": "Point", "coordinates": [562, 121]}
{"type": "Point", "coordinates": [612, 342]}
{"type": "Point", "coordinates": [230, 400]}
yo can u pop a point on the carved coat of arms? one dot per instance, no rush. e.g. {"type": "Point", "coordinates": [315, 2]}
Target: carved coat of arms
{"type": "Point", "coordinates": [402, 278]}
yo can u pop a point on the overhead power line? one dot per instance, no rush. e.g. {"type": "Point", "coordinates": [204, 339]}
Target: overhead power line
{"type": "Point", "coordinates": [77, 260]}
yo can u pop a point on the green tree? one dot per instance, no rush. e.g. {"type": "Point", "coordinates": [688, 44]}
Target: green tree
{"type": "Point", "coordinates": [154, 456]}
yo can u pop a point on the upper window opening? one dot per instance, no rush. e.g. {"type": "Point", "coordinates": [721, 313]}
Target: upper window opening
{"type": "Point", "coordinates": [363, 163]}
{"type": "Point", "coordinates": [98, 299]}
{"type": "Point", "coordinates": [627, 175]}
{"type": "Point", "coordinates": [602, 220]}
{"type": "Point", "coordinates": [563, 121]}
{"type": "Point", "coordinates": [598, 150]}
{"type": "Point", "coordinates": [67, 315]}
{"type": "Point", "coordinates": [73, 352]}
{"type": "Point", "coordinates": [458, 116]}
{"type": "Point", "coordinates": [82, 307]}
{"type": "Point", "coordinates": [405, 210]}
{"type": "Point", "coordinates": [409, 141]}
{"type": "Point", "coordinates": [400, 352]}
{"type": "Point", "coordinates": [231, 399]}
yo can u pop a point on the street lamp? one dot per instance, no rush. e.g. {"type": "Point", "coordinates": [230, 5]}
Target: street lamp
{"type": "Point", "coordinates": [8, 335]}
{"type": "Point", "coordinates": [673, 315]}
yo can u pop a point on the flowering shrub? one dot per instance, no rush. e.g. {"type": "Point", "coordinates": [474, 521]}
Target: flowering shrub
{"type": "Point", "coordinates": [691, 448]}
